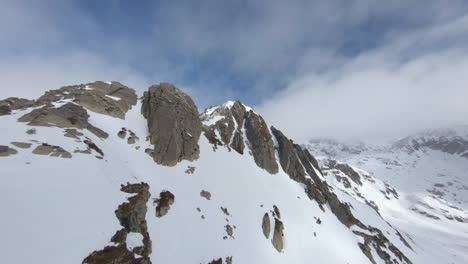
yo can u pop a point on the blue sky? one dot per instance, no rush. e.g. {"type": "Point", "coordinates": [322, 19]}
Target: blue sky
{"type": "Point", "coordinates": [287, 58]}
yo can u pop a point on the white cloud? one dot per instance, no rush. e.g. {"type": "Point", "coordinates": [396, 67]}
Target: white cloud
{"type": "Point", "coordinates": [31, 76]}
{"type": "Point", "coordinates": [399, 88]}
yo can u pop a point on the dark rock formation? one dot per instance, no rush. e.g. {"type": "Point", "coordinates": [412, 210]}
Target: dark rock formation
{"type": "Point", "coordinates": [66, 116]}
{"type": "Point", "coordinates": [266, 226]}
{"type": "Point", "coordinates": [164, 202]}
{"type": "Point", "coordinates": [190, 170]}
{"type": "Point", "coordinates": [288, 157]}
{"type": "Point", "coordinates": [14, 103]}
{"type": "Point", "coordinates": [173, 124]}
{"type": "Point", "coordinates": [7, 151]}
{"type": "Point", "coordinates": [205, 194]}
{"type": "Point", "coordinates": [260, 142]}
{"type": "Point", "coordinates": [53, 151]}
{"type": "Point", "coordinates": [131, 216]}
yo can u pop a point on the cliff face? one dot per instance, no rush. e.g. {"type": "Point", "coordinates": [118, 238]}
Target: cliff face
{"type": "Point", "coordinates": [154, 181]}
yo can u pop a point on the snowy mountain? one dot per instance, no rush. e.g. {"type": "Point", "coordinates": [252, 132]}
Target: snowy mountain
{"type": "Point", "coordinates": [93, 173]}
{"type": "Point", "coordinates": [423, 185]}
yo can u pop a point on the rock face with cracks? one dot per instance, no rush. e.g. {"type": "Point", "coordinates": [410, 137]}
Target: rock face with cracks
{"type": "Point", "coordinates": [173, 124]}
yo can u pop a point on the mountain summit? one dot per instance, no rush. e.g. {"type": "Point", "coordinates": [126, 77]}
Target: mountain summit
{"type": "Point", "coordinates": [95, 175]}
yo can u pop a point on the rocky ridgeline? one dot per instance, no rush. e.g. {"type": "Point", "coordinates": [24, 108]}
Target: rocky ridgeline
{"type": "Point", "coordinates": [174, 128]}
{"type": "Point", "coordinates": [229, 121]}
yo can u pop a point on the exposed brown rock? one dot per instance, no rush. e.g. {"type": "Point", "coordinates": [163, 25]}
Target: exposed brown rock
{"type": "Point", "coordinates": [6, 151]}
{"type": "Point", "coordinates": [164, 202]}
{"type": "Point", "coordinates": [346, 169]}
{"type": "Point", "coordinates": [53, 151]}
{"type": "Point", "coordinates": [205, 194]}
{"type": "Point", "coordinates": [260, 142]}
{"type": "Point", "coordinates": [278, 235]}
{"type": "Point", "coordinates": [173, 124]}
{"type": "Point", "coordinates": [113, 99]}
{"type": "Point", "coordinates": [22, 145]}
{"type": "Point", "coordinates": [131, 216]}
{"type": "Point", "coordinates": [73, 133]}
{"type": "Point", "coordinates": [14, 103]}
{"type": "Point", "coordinates": [68, 115]}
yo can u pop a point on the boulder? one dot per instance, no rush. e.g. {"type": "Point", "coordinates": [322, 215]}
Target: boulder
{"type": "Point", "coordinates": [173, 124]}
{"type": "Point", "coordinates": [164, 202]}
{"type": "Point", "coordinates": [266, 225]}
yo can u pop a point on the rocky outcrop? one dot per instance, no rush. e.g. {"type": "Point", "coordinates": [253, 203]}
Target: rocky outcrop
{"type": "Point", "coordinates": [346, 169]}
{"type": "Point", "coordinates": [173, 124]}
{"type": "Point", "coordinates": [66, 116]}
{"type": "Point", "coordinates": [163, 203]}
{"type": "Point", "coordinates": [53, 151]}
{"type": "Point", "coordinates": [260, 142]}
{"type": "Point", "coordinates": [108, 98]}
{"type": "Point", "coordinates": [266, 226]}
{"type": "Point", "coordinates": [14, 103]}
{"type": "Point", "coordinates": [131, 216]}
{"type": "Point", "coordinates": [22, 145]}
{"type": "Point", "coordinates": [6, 151]}
{"type": "Point", "coordinates": [205, 194]}
{"type": "Point", "coordinates": [228, 120]}
{"type": "Point", "coordinates": [278, 235]}
{"type": "Point", "coordinates": [288, 157]}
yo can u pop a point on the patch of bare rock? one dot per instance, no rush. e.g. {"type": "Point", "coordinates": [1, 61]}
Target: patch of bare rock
{"type": "Point", "coordinates": [68, 115]}
{"type": "Point", "coordinates": [22, 145]}
{"type": "Point", "coordinates": [52, 151]}
{"type": "Point", "coordinates": [163, 203]}
{"type": "Point", "coordinates": [6, 151]}
{"type": "Point", "coordinates": [205, 194]}
{"type": "Point", "coordinates": [131, 215]}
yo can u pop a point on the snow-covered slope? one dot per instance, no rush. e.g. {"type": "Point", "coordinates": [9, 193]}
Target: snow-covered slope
{"type": "Point", "coordinates": [418, 184]}
{"type": "Point", "coordinates": [87, 189]}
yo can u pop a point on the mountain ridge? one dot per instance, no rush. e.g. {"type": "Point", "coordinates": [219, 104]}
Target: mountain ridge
{"type": "Point", "coordinates": [190, 155]}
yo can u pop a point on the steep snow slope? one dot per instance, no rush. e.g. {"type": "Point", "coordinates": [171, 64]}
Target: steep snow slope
{"type": "Point", "coordinates": [429, 175]}
{"type": "Point", "coordinates": [60, 210]}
